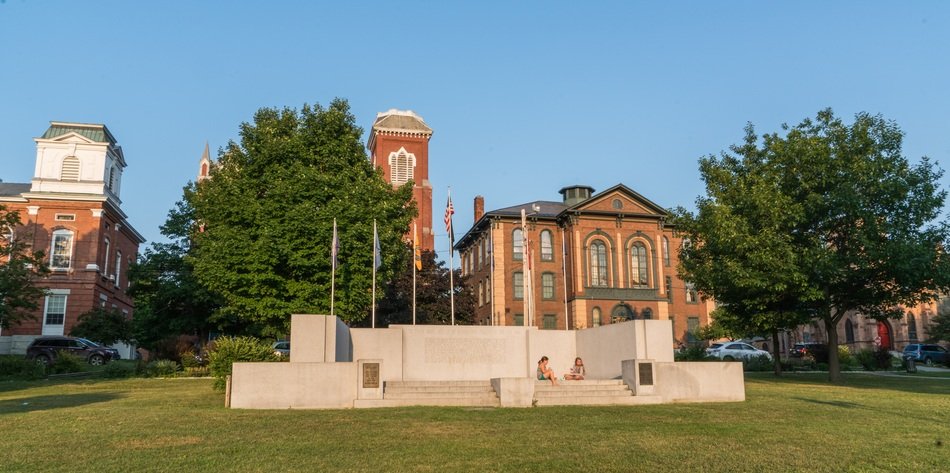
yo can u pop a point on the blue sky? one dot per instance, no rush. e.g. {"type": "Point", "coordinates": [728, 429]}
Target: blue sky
{"type": "Point", "coordinates": [524, 97]}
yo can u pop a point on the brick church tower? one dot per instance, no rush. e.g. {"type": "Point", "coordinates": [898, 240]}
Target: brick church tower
{"type": "Point", "coordinates": [399, 145]}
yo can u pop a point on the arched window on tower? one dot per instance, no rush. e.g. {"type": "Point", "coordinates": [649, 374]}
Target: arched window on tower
{"type": "Point", "coordinates": [112, 178]}
{"type": "Point", "coordinates": [848, 331]}
{"type": "Point", "coordinates": [911, 327]}
{"type": "Point", "coordinates": [70, 170]}
{"type": "Point", "coordinates": [401, 166]}
{"type": "Point", "coordinates": [598, 264]}
{"type": "Point", "coordinates": [638, 265]}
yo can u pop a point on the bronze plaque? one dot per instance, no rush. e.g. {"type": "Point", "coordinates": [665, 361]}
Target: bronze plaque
{"type": "Point", "coordinates": [646, 374]}
{"type": "Point", "coordinates": [371, 375]}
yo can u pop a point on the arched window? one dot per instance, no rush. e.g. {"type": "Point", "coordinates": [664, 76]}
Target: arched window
{"type": "Point", "coordinates": [70, 170]}
{"type": "Point", "coordinates": [848, 331]}
{"type": "Point", "coordinates": [118, 268]}
{"type": "Point", "coordinates": [112, 179]}
{"type": "Point", "coordinates": [517, 244]}
{"type": "Point", "coordinates": [61, 251]}
{"type": "Point", "coordinates": [481, 256]}
{"type": "Point", "coordinates": [481, 293]}
{"type": "Point", "coordinates": [401, 166]}
{"type": "Point", "coordinates": [547, 246]}
{"type": "Point", "coordinates": [692, 296]}
{"type": "Point", "coordinates": [598, 264]}
{"type": "Point", "coordinates": [666, 251]}
{"type": "Point", "coordinates": [638, 265]}
{"type": "Point", "coordinates": [617, 204]}
{"type": "Point", "coordinates": [646, 313]}
{"type": "Point", "coordinates": [911, 327]}
{"type": "Point", "coordinates": [595, 317]}
{"type": "Point", "coordinates": [547, 286]}
{"type": "Point", "coordinates": [106, 254]}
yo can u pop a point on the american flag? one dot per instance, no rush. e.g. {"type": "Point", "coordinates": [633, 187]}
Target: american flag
{"type": "Point", "coordinates": [449, 210]}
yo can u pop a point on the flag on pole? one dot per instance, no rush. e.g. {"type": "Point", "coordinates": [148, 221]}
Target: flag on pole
{"type": "Point", "coordinates": [334, 248]}
{"type": "Point", "coordinates": [377, 254]}
{"type": "Point", "coordinates": [449, 228]}
{"type": "Point", "coordinates": [416, 251]}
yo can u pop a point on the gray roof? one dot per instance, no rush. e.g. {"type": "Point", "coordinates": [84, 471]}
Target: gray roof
{"type": "Point", "coordinates": [545, 209]}
{"type": "Point", "coordinates": [405, 121]}
{"type": "Point", "coordinates": [8, 189]}
{"type": "Point", "coordinates": [94, 131]}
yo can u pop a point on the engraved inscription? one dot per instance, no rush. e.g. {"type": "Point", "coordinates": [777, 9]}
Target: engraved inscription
{"type": "Point", "coordinates": [371, 375]}
{"type": "Point", "coordinates": [646, 374]}
{"type": "Point", "coordinates": [465, 350]}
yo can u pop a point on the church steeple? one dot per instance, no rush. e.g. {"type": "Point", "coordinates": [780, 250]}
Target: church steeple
{"type": "Point", "coordinates": [204, 166]}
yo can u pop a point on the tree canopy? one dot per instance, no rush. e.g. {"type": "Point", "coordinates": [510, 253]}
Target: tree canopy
{"type": "Point", "coordinates": [823, 220]}
{"type": "Point", "coordinates": [20, 266]}
{"type": "Point", "coordinates": [267, 213]}
{"type": "Point", "coordinates": [433, 304]}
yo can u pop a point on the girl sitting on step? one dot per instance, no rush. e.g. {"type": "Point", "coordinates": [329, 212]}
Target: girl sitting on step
{"type": "Point", "coordinates": [577, 371]}
{"type": "Point", "coordinates": [545, 373]}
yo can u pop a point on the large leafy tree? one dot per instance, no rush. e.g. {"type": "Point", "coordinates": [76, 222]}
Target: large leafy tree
{"type": "Point", "coordinates": [105, 326]}
{"type": "Point", "coordinates": [267, 216]}
{"type": "Point", "coordinates": [433, 302]}
{"type": "Point", "coordinates": [20, 267]}
{"type": "Point", "coordinates": [835, 220]}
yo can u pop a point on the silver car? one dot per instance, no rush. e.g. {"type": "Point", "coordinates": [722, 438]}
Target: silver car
{"type": "Point", "coordinates": [281, 348]}
{"type": "Point", "coordinates": [730, 351]}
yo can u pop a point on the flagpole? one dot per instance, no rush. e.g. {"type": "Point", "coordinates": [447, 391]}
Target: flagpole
{"type": "Point", "coordinates": [415, 250]}
{"type": "Point", "coordinates": [333, 253]}
{"type": "Point", "coordinates": [526, 270]}
{"type": "Point", "coordinates": [491, 267]}
{"type": "Point", "coordinates": [448, 215]}
{"type": "Point", "coordinates": [375, 259]}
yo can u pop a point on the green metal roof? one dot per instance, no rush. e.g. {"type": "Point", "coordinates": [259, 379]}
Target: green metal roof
{"type": "Point", "coordinates": [97, 133]}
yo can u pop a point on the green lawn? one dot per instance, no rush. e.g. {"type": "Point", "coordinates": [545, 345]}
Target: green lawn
{"type": "Point", "coordinates": [798, 423]}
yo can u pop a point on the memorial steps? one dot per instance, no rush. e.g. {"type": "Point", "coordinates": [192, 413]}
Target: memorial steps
{"type": "Point", "coordinates": [598, 392]}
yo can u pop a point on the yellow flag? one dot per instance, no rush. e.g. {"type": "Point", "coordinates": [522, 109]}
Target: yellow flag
{"type": "Point", "coordinates": [416, 251]}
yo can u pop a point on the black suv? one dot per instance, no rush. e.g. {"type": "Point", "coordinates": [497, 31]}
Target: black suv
{"type": "Point", "coordinates": [819, 351]}
{"type": "Point", "coordinates": [45, 349]}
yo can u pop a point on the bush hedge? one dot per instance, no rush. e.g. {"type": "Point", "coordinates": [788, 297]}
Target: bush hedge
{"type": "Point", "coordinates": [226, 351]}
{"type": "Point", "coordinates": [15, 367]}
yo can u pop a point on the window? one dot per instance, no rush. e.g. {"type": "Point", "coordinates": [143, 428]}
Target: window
{"type": "Point", "coordinates": [519, 319]}
{"type": "Point", "coordinates": [595, 317]}
{"type": "Point", "coordinates": [669, 288]}
{"type": "Point", "coordinates": [691, 296]}
{"type": "Point", "coordinates": [62, 250]}
{"type": "Point", "coordinates": [547, 286]}
{"type": "Point", "coordinates": [55, 309]}
{"type": "Point", "coordinates": [638, 265]}
{"type": "Point", "coordinates": [518, 283]}
{"type": "Point", "coordinates": [487, 291]}
{"type": "Point", "coordinates": [911, 327]}
{"type": "Point", "coordinates": [70, 170]}
{"type": "Point", "coordinates": [105, 264]}
{"type": "Point", "coordinates": [848, 331]}
{"type": "Point", "coordinates": [112, 179]}
{"type": "Point", "coordinates": [692, 325]}
{"type": "Point", "coordinates": [617, 204]}
{"type": "Point", "coordinates": [517, 244]}
{"type": "Point", "coordinates": [666, 251]}
{"type": "Point", "coordinates": [118, 267]}
{"type": "Point", "coordinates": [481, 257]}
{"type": "Point", "coordinates": [598, 264]}
{"type": "Point", "coordinates": [646, 313]}
{"type": "Point", "coordinates": [401, 165]}
{"type": "Point", "coordinates": [65, 217]}
{"type": "Point", "coordinates": [481, 294]}
{"type": "Point", "coordinates": [547, 247]}
{"type": "Point", "coordinates": [549, 322]}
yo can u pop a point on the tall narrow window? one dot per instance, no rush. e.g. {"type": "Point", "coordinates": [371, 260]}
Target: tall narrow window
{"type": "Point", "coordinates": [595, 317]}
{"type": "Point", "coordinates": [105, 257]}
{"type": "Point", "coordinates": [517, 244]}
{"type": "Point", "coordinates": [112, 179]}
{"type": "Point", "coordinates": [481, 294]}
{"type": "Point", "coordinates": [70, 170]}
{"type": "Point", "coordinates": [669, 288]}
{"type": "Point", "coordinates": [911, 327]}
{"type": "Point", "coordinates": [692, 326]}
{"type": "Point", "coordinates": [55, 309]}
{"type": "Point", "coordinates": [692, 296]}
{"type": "Point", "coordinates": [598, 264]}
{"type": "Point", "coordinates": [549, 322]}
{"type": "Point", "coordinates": [118, 267]}
{"type": "Point", "coordinates": [638, 265]}
{"type": "Point", "coordinates": [481, 256]}
{"type": "Point", "coordinates": [547, 246]}
{"type": "Point", "coordinates": [547, 286]}
{"type": "Point", "coordinates": [62, 250]}
{"type": "Point", "coordinates": [848, 331]}
{"type": "Point", "coordinates": [518, 283]}
{"type": "Point", "coordinates": [666, 251]}
{"type": "Point", "coordinates": [401, 165]}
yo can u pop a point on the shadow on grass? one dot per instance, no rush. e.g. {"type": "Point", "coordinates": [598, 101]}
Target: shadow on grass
{"type": "Point", "coordinates": [44, 403]}
{"type": "Point", "coordinates": [911, 384]}
{"type": "Point", "coordinates": [846, 404]}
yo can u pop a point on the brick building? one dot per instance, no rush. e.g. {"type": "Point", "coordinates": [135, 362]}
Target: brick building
{"type": "Point", "coordinates": [399, 145]}
{"type": "Point", "coordinates": [857, 331]}
{"type": "Point", "coordinates": [72, 210]}
{"type": "Point", "coordinates": [591, 259]}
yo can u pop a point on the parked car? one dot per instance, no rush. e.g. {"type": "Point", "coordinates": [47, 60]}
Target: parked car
{"type": "Point", "coordinates": [729, 351]}
{"type": "Point", "coordinates": [45, 349]}
{"type": "Point", "coordinates": [926, 353]}
{"type": "Point", "coordinates": [281, 348]}
{"type": "Point", "coordinates": [817, 350]}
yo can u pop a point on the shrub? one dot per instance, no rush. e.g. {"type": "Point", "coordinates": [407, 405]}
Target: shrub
{"type": "Point", "coordinates": [821, 366]}
{"type": "Point", "coordinates": [883, 358]}
{"type": "Point", "coordinates": [865, 358]}
{"type": "Point", "coordinates": [694, 352]}
{"type": "Point", "coordinates": [844, 355]}
{"type": "Point", "coordinates": [226, 351]}
{"type": "Point", "coordinates": [19, 368]}
{"type": "Point", "coordinates": [757, 363]}
{"type": "Point", "coordinates": [162, 368]}
{"type": "Point", "coordinates": [117, 369]}
{"type": "Point", "coordinates": [67, 363]}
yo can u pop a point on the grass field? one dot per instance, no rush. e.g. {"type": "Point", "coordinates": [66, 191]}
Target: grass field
{"type": "Point", "coordinates": [798, 423]}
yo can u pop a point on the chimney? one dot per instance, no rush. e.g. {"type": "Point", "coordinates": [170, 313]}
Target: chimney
{"type": "Point", "coordinates": [479, 207]}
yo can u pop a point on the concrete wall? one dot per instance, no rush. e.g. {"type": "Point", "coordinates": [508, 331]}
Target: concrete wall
{"type": "Point", "coordinates": [654, 339]}
{"type": "Point", "coordinates": [344, 343]}
{"type": "Point", "coordinates": [313, 338]}
{"type": "Point", "coordinates": [380, 343]}
{"type": "Point", "coordinates": [443, 352]}
{"type": "Point", "coordinates": [293, 385]}
{"type": "Point", "coordinates": [702, 381]}
{"type": "Point", "coordinates": [604, 348]}
{"type": "Point", "coordinates": [560, 346]}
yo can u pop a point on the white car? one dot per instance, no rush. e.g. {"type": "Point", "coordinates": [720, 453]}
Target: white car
{"type": "Point", "coordinates": [281, 348]}
{"type": "Point", "coordinates": [729, 351]}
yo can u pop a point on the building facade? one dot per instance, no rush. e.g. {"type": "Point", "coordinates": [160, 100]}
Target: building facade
{"type": "Point", "coordinates": [399, 145]}
{"type": "Point", "coordinates": [72, 210]}
{"type": "Point", "coordinates": [857, 331]}
{"type": "Point", "coordinates": [587, 260]}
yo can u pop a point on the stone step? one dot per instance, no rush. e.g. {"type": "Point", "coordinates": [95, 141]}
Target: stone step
{"type": "Point", "coordinates": [586, 382]}
{"type": "Point", "coordinates": [451, 401]}
{"type": "Point", "coordinates": [436, 383]}
{"type": "Point", "coordinates": [440, 388]}
{"type": "Point", "coordinates": [579, 388]}
{"type": "Point", "coordinates": [438, 395]}
{"type": "Point", "coordinates": [570, 394]}
{"type": "Point", "coordinates": [597, 400]}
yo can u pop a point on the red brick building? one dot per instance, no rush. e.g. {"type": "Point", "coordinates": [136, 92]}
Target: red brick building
{"type": "Point", "coordinates": [399, 145]}
{"type": "Point", "coordinates": [72, 210]}
{"type": "Point", "coordinates": [591, 259]}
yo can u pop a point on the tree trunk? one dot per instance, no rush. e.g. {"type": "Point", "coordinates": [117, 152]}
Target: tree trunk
{"type": "Point", "coordinates": [776, 359]}
{"type": "Point", "coordinates": [834, 368]}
